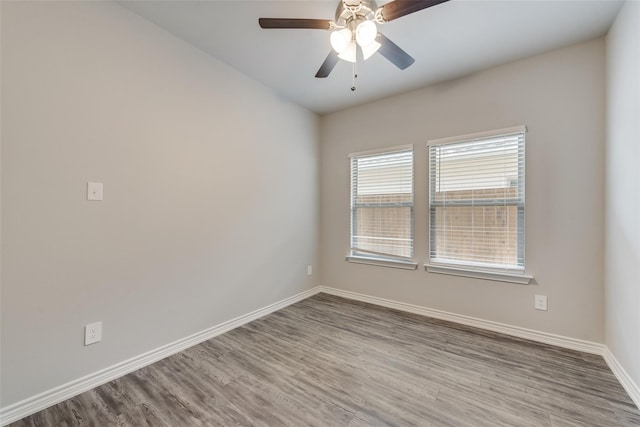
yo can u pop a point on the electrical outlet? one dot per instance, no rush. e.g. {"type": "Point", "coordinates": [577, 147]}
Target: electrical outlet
{"type": "Point", "coordinates": [309, 270]}
{"type": "Point", "coordinates": [93, 333]}
{"type": "Point", "coordinates": [541, 302]}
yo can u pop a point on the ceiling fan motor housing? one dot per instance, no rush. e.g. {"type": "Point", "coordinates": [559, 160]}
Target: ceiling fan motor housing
{"type": "Point", "coordinates": [350, 13]}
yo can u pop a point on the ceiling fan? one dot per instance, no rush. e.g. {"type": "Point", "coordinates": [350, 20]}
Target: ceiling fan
{"type": "Point", "coordinates": [355, 25]}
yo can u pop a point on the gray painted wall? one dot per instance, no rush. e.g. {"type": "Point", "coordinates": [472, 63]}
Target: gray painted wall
{"type": "Point", "coordinates": [560, 97]}
{"type": "Point", "coordinates": [210, 191]}
{"type": "Point", "coordinates": [622, 265]}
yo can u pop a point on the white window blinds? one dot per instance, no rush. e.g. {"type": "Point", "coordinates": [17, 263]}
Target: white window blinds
{"type": "Point", "coordinates": [382, 204]}
{"type": "Point", "coordinates": [476, 201]}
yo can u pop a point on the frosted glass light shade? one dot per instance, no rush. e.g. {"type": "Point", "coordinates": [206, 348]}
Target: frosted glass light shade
{"type": "Point", "coordinates": [366, 33]}
{"type": "Point", "coordinates": [349, 53]}
{"type": "Point", "coordinates": [369, 50]}
{"type": "Point", "coordinates": [341, 39]}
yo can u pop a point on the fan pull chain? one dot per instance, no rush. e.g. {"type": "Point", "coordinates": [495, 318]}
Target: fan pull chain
{"type": "Point", "coordinates": [355, 76]}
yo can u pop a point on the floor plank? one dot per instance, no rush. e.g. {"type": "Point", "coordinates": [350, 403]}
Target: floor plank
{"type": "Point", "coordinates": [328, 361]}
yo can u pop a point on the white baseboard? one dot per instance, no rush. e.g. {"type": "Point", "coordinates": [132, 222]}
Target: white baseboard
{"type": "Point", "coordinates": [516, 331]}
{"type": "Point", "coordinates": [66, 391]}
{"type": "Point", "coordinates": [633, 390]}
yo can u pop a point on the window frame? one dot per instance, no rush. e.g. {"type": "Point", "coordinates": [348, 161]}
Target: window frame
{"type": "Point", "coordinates": [383, 260]}
{"type": "Point", "coordinates": [514, 274]}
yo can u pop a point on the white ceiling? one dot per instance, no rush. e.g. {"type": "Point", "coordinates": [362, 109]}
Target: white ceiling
{"type": "Point", "coordinates": [447, 41]}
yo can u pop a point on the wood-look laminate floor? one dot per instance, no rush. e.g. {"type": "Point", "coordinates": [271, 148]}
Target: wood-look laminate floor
{"type": "Point", "coordinates": [327, 361]}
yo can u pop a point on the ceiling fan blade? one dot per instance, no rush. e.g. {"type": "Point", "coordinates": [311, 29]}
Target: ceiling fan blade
{"type": "Point", "coordinates": [399, 8]}
{"type": "Point", "coordinates": [393, 52]}
{"type": "Point", "coordinates": [314, 24]}
{"type": "Point", "coordinates": [328, 64]}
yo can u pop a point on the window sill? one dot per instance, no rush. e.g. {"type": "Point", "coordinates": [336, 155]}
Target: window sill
{"type": "Point", "coordinates": [404, 265]}
{"type": "Point", "coordinates": [499, 276]}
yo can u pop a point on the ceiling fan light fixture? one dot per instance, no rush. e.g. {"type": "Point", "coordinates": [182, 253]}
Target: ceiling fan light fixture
{"type": "Point", "coordinates": [366, 33]}
{"type": "Point", "coordinates": [355, 25]}
{"type": "Point", "coordinates": [369, 50]}
{"type": "Point", "coordinates": [341, 39]}
{"type": "Point", "coordinates": [349, 53]}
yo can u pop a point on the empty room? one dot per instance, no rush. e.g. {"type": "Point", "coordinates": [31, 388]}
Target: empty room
{"type": "Point", "coordinates": [320, 213]}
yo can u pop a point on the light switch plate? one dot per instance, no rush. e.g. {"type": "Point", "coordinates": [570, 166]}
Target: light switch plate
{"type": "Point", "coordinates": [94, 191]}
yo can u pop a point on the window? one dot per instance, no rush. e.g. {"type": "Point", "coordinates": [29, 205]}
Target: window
{"type": "Point", "coordinates": [382, 207]}
{"type": "Point", "coordinates": [476, 202]}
